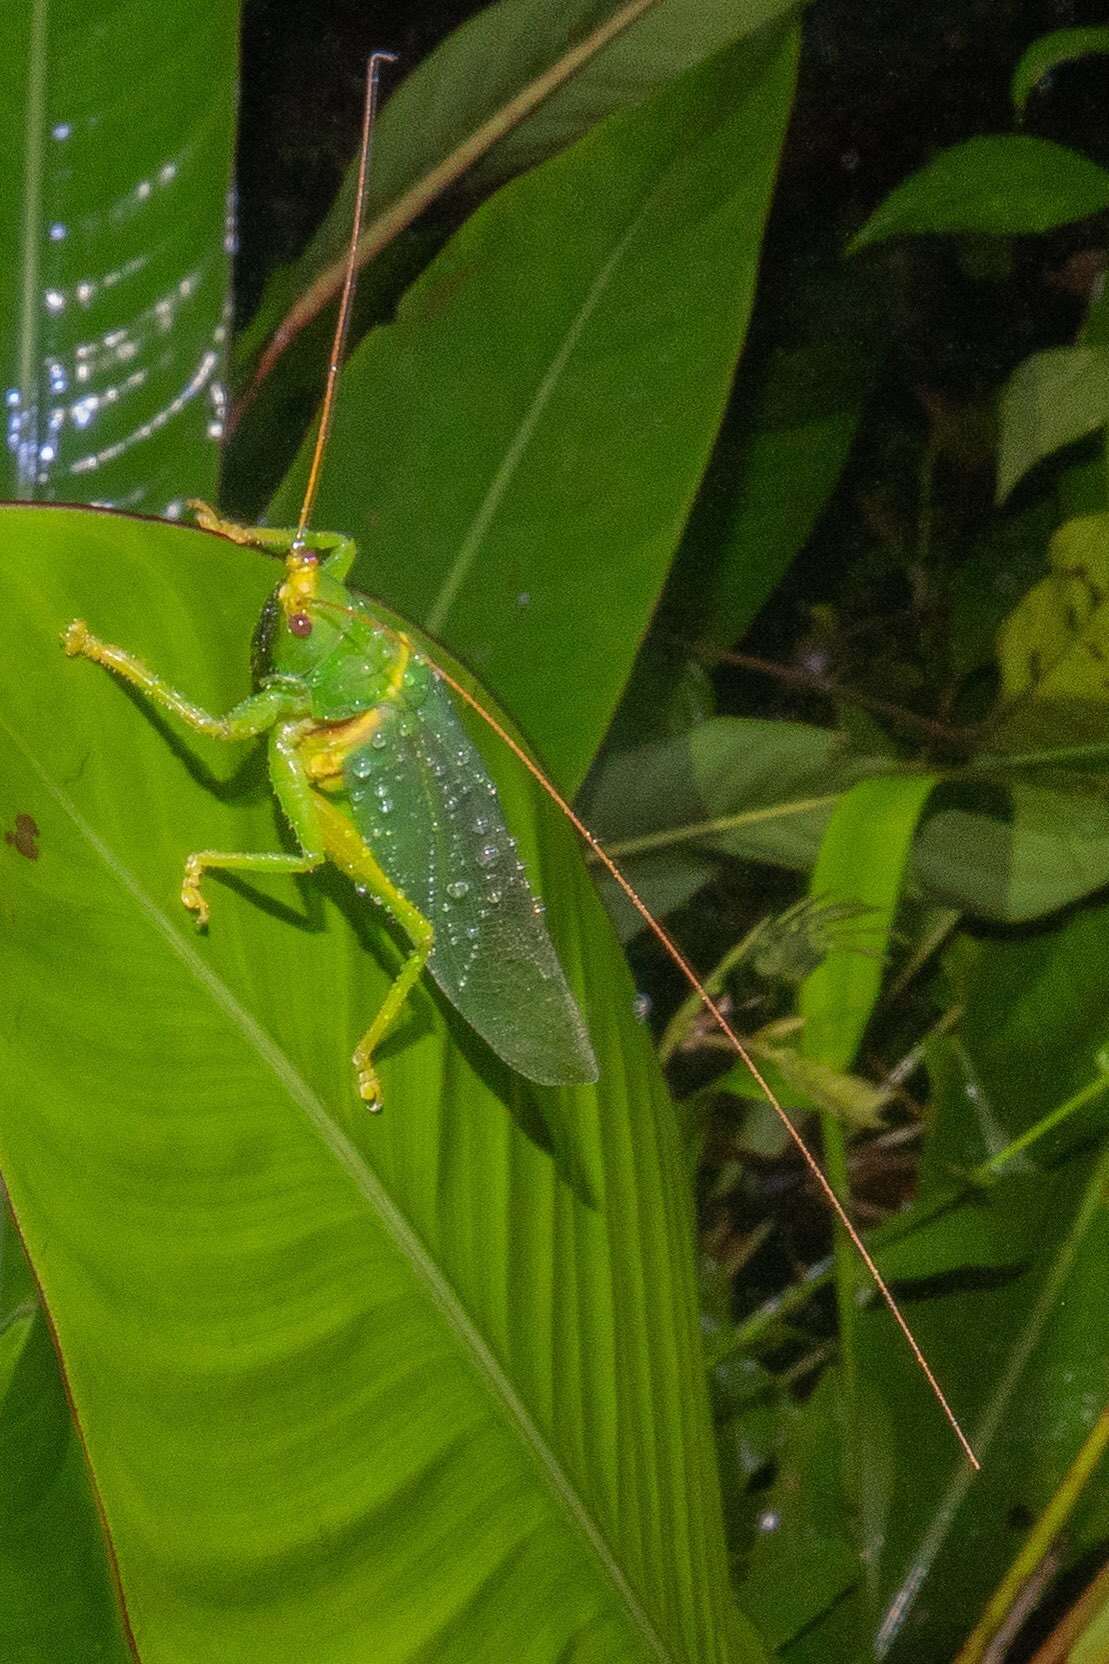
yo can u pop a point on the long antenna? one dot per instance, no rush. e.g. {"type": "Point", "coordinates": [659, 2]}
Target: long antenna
{"type": "Point", "coordinates": [659, 930]}
{"type": "Point", "coordinates": [346, 298]}
{"type": "Point", "coordinates": [714, 1010]}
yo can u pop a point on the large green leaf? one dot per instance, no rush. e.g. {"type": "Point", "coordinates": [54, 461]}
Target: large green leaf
{"type": "Point", "coordinates": [405, 1388]}
{"type": "Point", "coordinates": [477, 73]}
{"type": "Point", "coordinates": [529, 434]}
{"type": "Point", "coordinates": [117, 121]}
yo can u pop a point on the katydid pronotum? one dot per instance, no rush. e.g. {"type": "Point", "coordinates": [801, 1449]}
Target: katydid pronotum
{"type": "Point", "coordinates": [363, 735]}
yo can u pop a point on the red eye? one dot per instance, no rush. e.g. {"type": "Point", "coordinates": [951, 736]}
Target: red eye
{"type": "Point", "coordinates": [300, 624]}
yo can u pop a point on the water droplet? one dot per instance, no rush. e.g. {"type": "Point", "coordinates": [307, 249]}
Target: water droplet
{"type": "Point", "coordinates": [457, 888]}
{"type": "Point", "coordinates": [385, 805]}
{"type": "Point", "coordinates": [361, 765]}
{"type": "Point", "coordinates": [416, 682]}
{"type": "Point", "coordinates": [379, 739]}
{"type": "Point", "coordinates": [487, 854]}
{"type": "Point", "coordinates": [482, 824]}
{"type": "Point", "coordinates": [493, 897]}
{"type": "Point", "coordinates": [361, 890]}
{"type": "Point", "coordinates": [538, 907]}
{"type": "Point", "coordinates": [641, 1007]}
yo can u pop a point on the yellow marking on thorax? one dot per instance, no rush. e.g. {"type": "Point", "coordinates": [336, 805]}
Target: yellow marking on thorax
{"type": "Point", "coordinates": [327, 746]}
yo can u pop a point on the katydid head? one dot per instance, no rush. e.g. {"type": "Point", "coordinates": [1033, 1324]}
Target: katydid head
{"type": "Point", "coordinates": [306, 618]}
{"type": "Point", "coordinates": [299, 589]}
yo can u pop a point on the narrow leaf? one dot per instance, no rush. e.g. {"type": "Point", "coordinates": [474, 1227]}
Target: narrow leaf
{"type": "Point", "coordinates": [863, 858]}
{"type": "Point", "coordinates": [1003, 186]}
{"type": "Point", "coordinates": [1045, 55]}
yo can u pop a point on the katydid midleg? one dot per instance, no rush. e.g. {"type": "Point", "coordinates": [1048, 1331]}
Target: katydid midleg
{"type": "Point", "coordinates": [375, 774]}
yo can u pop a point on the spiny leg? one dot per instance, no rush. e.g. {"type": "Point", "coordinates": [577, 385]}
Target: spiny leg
{"type": "Point", "coordinates": [349, 851]}
{"type": "Point", "coordinates": [296, 797]}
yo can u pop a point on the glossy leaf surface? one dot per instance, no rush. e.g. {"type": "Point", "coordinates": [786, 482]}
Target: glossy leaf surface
{"type": "Point", "coordinates": [407, 1387]}
{"type": "Point", "coordinates": [117, 126]}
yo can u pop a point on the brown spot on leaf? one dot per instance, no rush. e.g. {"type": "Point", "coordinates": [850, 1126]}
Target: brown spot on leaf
{"type": "Point", "coordinates": [23, 837]}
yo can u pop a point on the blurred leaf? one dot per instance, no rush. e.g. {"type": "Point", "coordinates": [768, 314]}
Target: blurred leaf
{"type": "Point", "coordinates": [949, 1534]}
{"type": "Point", "coordinates": [1061, 46]}
{"type": "Point", "coordinates": [747, 770]}
{"type": "Point", "coordinates": [118, 122]}
{"type": "Point", "coordinates": [1055, 643]}
{"type": "Point", "coordinates": [755, 790]}
{"type": "Point", "coordinates": [1050, 400]}
{"type": "Point", "coordinates": [1019, 858]}
{"type": "Point", "coordinates": [1005, 560]}
{"type": "Point", "coordinates": [777, 462]}
{"type": "Point", "coordinates": [305, 1348]}
{"type": "Point", "coordinates": [863, 858]}
{"type": "Point", "coordinates": [1021, 1353]}
{"type": "Point", "coordinates": [550, 392]}
{"type": "Point", "coordinates": [803, 1564]}
{"type": "Point", "coordinates": [1034, 1022]}
{"type": "Point", "coordinates": [1002, 186]}
{"type": "Point", "coordinates": [1092, 1645]}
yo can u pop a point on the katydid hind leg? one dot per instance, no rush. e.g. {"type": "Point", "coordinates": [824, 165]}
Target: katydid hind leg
{"type": "Point", "coordinates": [349, 851]}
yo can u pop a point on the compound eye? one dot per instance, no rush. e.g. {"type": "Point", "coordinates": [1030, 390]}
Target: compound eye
{"type": "Point", "coordinates": [300, 624]}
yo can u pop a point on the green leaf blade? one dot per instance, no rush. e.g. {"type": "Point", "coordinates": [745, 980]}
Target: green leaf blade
{"type": "Point", "coordinates": [1002, 186]}
{"type": "Point", "coordinates": [394, 1387]}
{"type": "Point", "coordinates": [550, 392]}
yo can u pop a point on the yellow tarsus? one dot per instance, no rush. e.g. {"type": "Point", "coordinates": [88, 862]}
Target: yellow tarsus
{"type": "Point", "coordinates": [210, 520]}
{"type": "Point", "coordinates": [192, 896]}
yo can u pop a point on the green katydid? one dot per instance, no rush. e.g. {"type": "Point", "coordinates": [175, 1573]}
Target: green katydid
{"type": "Point", "coordinates": [375, 773]}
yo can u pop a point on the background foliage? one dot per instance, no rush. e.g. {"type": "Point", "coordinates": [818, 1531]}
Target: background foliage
{"type": "Point", "coordinates": [416, 1387]}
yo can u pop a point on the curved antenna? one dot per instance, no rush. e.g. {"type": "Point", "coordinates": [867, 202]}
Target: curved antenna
{"type": "Point", "coordinates": [712, 1006]}
{"type": "Point", "coordinates": [342, 322]}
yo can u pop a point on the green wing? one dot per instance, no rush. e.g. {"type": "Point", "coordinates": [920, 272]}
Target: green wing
{"type": "Point", "coordinates": [422, 799]}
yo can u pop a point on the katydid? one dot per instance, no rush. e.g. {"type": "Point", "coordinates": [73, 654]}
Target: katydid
{"type": "Point", "coordinates": [375, 773]}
